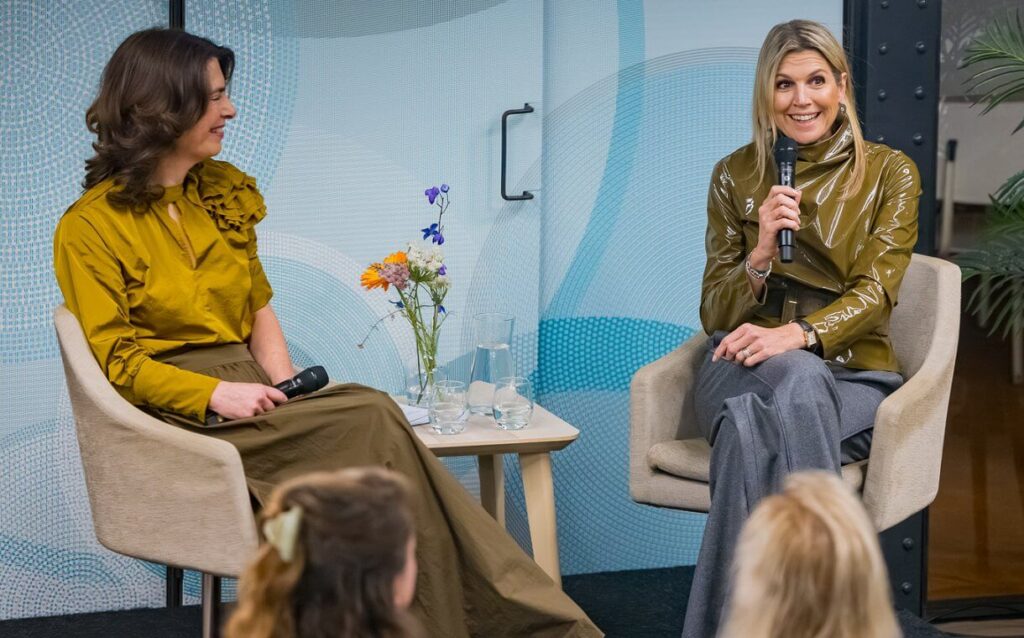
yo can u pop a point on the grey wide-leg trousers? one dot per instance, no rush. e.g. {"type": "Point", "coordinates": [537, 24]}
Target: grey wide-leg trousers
{"type": "Point", "coordinates": [791, 412]}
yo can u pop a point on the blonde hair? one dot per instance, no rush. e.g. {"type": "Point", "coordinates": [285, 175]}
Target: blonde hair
{"type": "Point", "coordinates": [808, 565]}
{"type": "Point", "coordinates": [793, 37]}
{"type": "Point", "coordinates": [352, 540]}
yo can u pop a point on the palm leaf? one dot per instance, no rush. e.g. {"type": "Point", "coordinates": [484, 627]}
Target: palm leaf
{"type": "Point", "coordinates": [1012, 192]}
{"type": "Point", "coordinates": [1000, 51]}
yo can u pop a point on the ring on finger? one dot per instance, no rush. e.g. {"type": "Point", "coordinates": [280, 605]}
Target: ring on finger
{"type": "Point", "coordinates": [745, 352]}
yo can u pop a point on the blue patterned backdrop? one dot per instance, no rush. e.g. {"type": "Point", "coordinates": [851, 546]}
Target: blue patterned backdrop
{"type": "Point", "coordinates": [347, 110]}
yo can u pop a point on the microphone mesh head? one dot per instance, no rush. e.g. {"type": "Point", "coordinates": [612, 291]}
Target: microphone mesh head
{"type": "Point", "coordinates": [312, 379]}
{"type": "Point", "coordinates": [785, 150]}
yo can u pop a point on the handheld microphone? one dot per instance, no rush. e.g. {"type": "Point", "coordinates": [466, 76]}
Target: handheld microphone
{"type": "Point", "coordinates": [785, 160]}
{"type": "Point", "coordinates": [309, 380]}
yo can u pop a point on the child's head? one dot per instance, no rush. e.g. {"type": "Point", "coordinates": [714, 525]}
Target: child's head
{"type": "Point", "coordinates": [338, 559]}
{"type": "Point", "coordinates": [808, 565]}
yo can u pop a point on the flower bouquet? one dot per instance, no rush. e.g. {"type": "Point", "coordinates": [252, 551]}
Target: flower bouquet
{"type": "Point", "coordinates": [420, 279]}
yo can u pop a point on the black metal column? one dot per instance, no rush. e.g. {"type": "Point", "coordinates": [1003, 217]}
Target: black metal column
{"type": "Point", "coordinates": [905, 548]}
{"type": "Point", "coordinates": [175, 586]}
{"type": "Point", "coordinates": [176, 18]}
{"type": "Point", "coordinates": [893, 47]}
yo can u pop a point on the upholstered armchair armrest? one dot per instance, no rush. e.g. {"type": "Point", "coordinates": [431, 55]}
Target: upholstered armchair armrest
{"type": "Point", "coordinates": [910, 425]}
{"type": "Point", "coordinates": [660, 407]}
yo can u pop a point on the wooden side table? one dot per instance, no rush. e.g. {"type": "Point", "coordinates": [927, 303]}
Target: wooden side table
{"type": "Point", "coordinates": [546, 433]}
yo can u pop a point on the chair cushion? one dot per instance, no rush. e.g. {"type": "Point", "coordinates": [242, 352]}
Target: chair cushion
{"type": "Point", "coordinates": [691, 459]}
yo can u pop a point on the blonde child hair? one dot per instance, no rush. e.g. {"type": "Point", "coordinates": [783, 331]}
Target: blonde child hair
{"type": "Point", "coordinates": [808, 565]}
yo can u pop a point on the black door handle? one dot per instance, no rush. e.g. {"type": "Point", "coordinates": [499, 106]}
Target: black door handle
{"type": "Point", "coordinates": [504, 152]}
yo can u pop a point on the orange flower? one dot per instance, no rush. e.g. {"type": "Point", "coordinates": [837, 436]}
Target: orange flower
{"type": "Point", "coordinates": [371, 278]}
{"type": "Point", "coordinates": [396, 258]}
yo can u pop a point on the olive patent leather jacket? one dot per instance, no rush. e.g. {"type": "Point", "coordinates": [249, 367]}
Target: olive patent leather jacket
{"type": "Point", "coordinates": [849, 257]}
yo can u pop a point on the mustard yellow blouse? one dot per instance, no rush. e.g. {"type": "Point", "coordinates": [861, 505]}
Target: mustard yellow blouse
{"type": "Point", "coordinates": [142, 283]}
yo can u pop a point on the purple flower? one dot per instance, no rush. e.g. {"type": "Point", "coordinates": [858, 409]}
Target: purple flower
{"type": "Point", "coordinates": [441, 309]}
{"type": "Point", "coordinates": [444, 188]}
{"type": "Point", "coordinates": [442, 270]}
{"type": "Point", "coordinates": [438, 238]}
{"type": "Point", "coordinates": [432, 193]}
{"type": "Point", "coordinates": [430, 230]}
{"type": "Point", "coordinates": [397, 304]}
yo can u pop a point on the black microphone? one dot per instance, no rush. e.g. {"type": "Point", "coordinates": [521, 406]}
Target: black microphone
{"type": "Point", "coordinates": [309, 380]}
{"type": "Point", "coordinates": [785, 160]}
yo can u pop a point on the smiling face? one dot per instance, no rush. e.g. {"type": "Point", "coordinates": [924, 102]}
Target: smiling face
{"type": "Point", "coordinates": [807, 96]}
{"type": "Point", "coordinates": [204, 139]}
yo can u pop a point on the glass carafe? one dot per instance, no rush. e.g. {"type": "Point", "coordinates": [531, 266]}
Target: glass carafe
{"type": "Point", "coordinates": [492, 359]}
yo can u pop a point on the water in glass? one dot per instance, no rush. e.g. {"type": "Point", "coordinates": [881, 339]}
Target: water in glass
{"type": "Point", "coordinates": [513, 403]}
{"type": "Point", "coordinates": [492, 359]}
{"type": "Point", "coordinates": [448, 407]}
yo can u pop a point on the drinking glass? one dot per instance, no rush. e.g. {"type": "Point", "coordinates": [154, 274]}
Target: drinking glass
{"type": "Point", "coordinates": [448, 407]}
{"type": "Point", "coordinates": [492, 359]}
{"type": "Point", "coordinates": [513, 403]}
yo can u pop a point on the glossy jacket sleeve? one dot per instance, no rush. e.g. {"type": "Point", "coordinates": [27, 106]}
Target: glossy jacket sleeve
{"type": "Point", "coordinates": [726, 298]}
{"type": "Point", "coordinates": [94, 290]}
{"type": "Point", "coordinates": [878, 269]}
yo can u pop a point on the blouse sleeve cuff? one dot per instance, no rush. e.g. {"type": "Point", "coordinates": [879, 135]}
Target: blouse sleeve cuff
{"type": "Point", "coordinates": [183, 391]}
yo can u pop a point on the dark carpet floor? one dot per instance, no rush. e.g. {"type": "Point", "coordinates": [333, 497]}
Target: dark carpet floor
{"type": "Point", "coordinates": [634, 604]}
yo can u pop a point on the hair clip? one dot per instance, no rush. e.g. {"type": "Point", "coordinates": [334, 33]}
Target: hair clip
{"type": "Point", "coordinates": [282, 531]}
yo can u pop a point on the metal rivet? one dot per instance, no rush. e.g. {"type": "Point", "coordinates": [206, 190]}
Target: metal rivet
{"type": "Point", "coordinates": [922, 3]}
{"type": "Point", "coordinates": [883, 49]}
{"type": "Point", "coordinates": [919, 92]}
{"type": "Point", "coordinates": [918, 139]}
{"type": "Point", "coordinates": [908, 543]}
{"type": "Point", "coordinates": [921, 48]}
{"type": "Point", "coordinates": [882, 95]}
{"type": "Point", "coordinates": [906, 588]}
{"type": "Point", "coordinates": [880, 139]}
{"type": "Point", "coordinates": [885, 4]}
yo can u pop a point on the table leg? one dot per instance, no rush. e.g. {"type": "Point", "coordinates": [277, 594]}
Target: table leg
{"type": "Point", "coordinates": [539, 490]}
{"type": "Point", "coordinates": [492, 485]}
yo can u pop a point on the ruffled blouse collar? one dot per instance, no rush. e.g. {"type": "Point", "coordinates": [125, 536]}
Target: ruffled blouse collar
{"type": "Point", "coordinates": [171, 194]}
{"type": "Point", "coordinates": [228, 195]}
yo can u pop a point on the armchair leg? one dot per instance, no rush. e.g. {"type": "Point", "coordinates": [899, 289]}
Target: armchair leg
{"type": "Point", "coordinates": [211, 606]}
{"type": "Point", "coordinates": [175, 579]}
{"type": "Point", "coordinates": [905, 548]}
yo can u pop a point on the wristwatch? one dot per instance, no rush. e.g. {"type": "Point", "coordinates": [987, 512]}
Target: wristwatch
{"type": "Point", "coordinates": [810, 336]}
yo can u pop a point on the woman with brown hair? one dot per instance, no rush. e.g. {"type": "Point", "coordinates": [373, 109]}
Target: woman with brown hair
{"type": "Point", "coordinates": [808, 565]}
{"type": "Point", "coordinates": [338, 560]}
{"type": "Point", "coordinates": [158, 260]}
{"type": "Point", "coordinates": [799, 358]}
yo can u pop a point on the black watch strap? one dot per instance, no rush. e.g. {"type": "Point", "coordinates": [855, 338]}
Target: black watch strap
{"type": "Point", "coordinates": [806, 327]}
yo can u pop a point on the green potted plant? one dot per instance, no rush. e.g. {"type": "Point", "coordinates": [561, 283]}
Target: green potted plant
{"type": "Point", "coordinates": [998, 261]}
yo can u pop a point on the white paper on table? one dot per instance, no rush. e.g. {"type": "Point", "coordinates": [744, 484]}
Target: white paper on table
{"type": "Point", "coordinates": [415, 414]}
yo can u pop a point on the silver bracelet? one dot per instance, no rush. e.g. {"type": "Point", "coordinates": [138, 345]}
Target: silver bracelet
{"type": "Point", "coordinates": [760, 275]}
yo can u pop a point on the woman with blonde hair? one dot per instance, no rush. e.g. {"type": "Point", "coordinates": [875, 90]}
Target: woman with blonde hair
{"type": "Point", "coordinates": [799, 358]}
{"type": "Point", "coordinates": [338, 560]}
{"type": "Point", "coordinates": [808, 565]}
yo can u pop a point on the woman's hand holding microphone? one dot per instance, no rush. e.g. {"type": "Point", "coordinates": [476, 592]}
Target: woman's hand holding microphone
{"type": "Point", "coordinates": [233, 400]}
{"type": "Point", "coordinates": [750, 344]}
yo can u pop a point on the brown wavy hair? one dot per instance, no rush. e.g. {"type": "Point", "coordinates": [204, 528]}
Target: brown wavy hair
{"type": "Point", "coordinates": [153, 89]}
{"type": "Point", "coordinates": [354, 530]}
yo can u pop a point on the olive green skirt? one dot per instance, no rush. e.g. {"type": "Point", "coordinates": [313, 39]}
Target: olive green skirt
{"type": "Point", "coordinates": [474, 580]}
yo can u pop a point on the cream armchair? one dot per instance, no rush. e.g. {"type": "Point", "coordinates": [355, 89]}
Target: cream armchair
{"type": "Point", "coordinates": [670, 461]}
{"type": "Point", "coordinates": [157, 492]}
